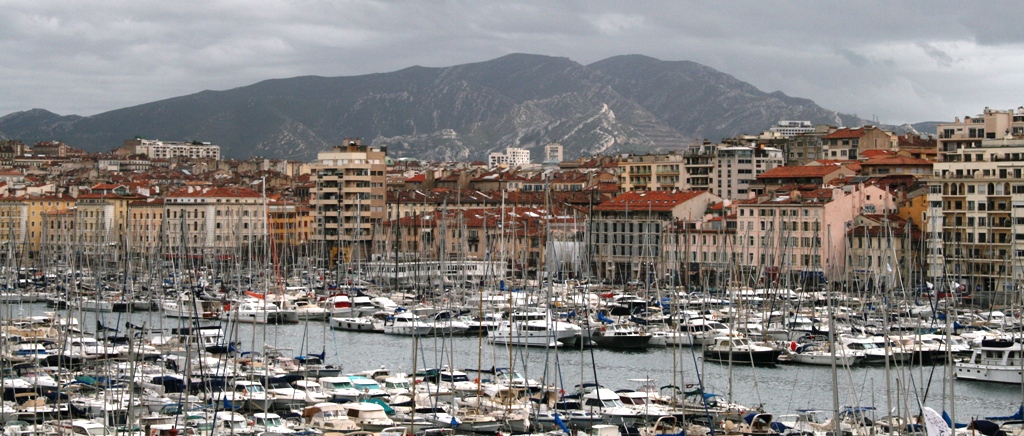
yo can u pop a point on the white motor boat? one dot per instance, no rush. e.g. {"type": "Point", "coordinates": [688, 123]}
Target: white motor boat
{"type": "Point", "coordinates": [407, 324]}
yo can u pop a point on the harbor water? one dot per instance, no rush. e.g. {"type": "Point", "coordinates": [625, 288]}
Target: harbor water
{"type": "Point", "coordinates": [780, 389]}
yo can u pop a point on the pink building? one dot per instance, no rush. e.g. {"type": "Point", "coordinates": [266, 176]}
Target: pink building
{"type": "Point", "coordinates": [795, 235]}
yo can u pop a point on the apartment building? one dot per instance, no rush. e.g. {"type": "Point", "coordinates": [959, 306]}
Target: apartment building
{"type": "Point", "coordinates": [101, 221]}
{"type": "Point", "coordinates": [806, 147]}
{"type": "Point", "coordinates": [791, 176]}
{"type": "Point", "coordinates": [35, 208]}
{"type": "Point", "coordinates": [512, 157]}
{"type": "Point", "coordinates": [737, 167]}
{"type": "Point", "coordinates": [145, 226]}
{"type": "Point", "coordinates": [553, 152]}
{"type": "Point", "coordinates": [291, 222]}
{"type": "Point", "coordinates": [157, 149]}
{"type": "Point", "coordinates": [689, 169]}
{"type": "Point", "coordinates": [213, 223]}
{"type": "Point", "coordinates": [790, 128]}
{"type": "Point", "coordinates": [971, 131]}
{"type": "Point", "coordinates": [791, 236]}
{"type": "Point", "coordinates": [883, 246]}
{"type": "Point", "coordinates": [847, 143]}
{"type": "Point", "coordinates": [896, 165]}
{"type": "Point", "coordinates": [349, 197]}
{"type": "Point", "coordinates": [628, 231]}
{"type": "Point", "coordinates": [975, 215]}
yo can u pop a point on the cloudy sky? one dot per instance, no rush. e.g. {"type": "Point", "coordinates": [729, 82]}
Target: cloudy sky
{"type": "Point", "coordinates": [894, 61]}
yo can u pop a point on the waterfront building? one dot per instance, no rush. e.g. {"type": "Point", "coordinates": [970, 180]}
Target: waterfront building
{"type": "Point", "coordinates": [213, 223]}
{"type": "Point", "coordinates": [35, 208]}
{"type": "Point", "coordinates": [348, 197]}
{"type": "Point", "coordinates": [290, 221]}
{"type": "Point", "coordinates": [145, 226]}
{"type": "Point", "coordinates": [975, 216]}
{"type": "Point", "coordinates": [793, 233]}
{"type": "Point", "coordinates": [495, 241]}
{"type": "Point", "coordinates": [101, 220]}
{"type": "Point", "coordinates": [627, 231]}
{"type": "Point", "coordinates": [883, 248]}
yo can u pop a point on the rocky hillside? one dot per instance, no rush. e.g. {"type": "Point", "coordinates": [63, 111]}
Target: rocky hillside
{"type": "Point", "coordinates": [620, 104]}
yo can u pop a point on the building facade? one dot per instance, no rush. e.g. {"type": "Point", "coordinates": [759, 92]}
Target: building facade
{"type": "Point", "coordinates": [512, 157]}
{"type": "Point", "coordinates": [846, 143]}
{"type": "Point", "coordinates": [689, 169]}
{"type": "Point", "coordinates": [349, 198]}
{"type": "Point", "coordinates": [737, 168]}
{"type": "Point", "coordinates": [789, 128]}
{"type": "Point", "coordinates": [214, 224]}
{"type": "Point", "coordinates": [975, 216]}
{"type": "Point", "coordinates": [553, 152]}
{"type": "Point", "coordinates": [628, 231]}
{"type": "Point", "coordinates": [157, 149]}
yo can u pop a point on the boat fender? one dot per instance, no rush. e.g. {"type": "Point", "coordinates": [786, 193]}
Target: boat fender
{"type": "Point", "coordinates": [792, 346]}
{"type": "Point", "coordinates": [604, 329]}
{"type": "Point", "coordinates": [476, 380]}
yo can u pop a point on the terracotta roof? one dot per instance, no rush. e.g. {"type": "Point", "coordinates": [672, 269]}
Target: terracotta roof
{"type": "Point", "coordinates": [873, 153]}
{"type": "Point", "coordinates": [214, 192]}
{"type": "Point", "coordinates": [107, 196]}
{"type": "Point", "coordinates": [896, 160]}
{"type": "Point", "coordinates": [419, 178]}
{"type": "Point", "coordinates": [655, 201]}
{"type": "Point", "coordinates": [845, 134]}
{"type": "Point", "coordinates": [523, 217]}
{"type": "Point", "coordinates": [798, 172]}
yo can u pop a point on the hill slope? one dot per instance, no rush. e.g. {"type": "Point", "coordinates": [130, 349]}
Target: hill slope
{"type": "Point", "coordinates": [620, 104]}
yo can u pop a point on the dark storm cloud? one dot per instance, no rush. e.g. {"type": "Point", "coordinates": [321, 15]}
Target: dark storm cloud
{"type": "Point", "coordinates": [899, 61]}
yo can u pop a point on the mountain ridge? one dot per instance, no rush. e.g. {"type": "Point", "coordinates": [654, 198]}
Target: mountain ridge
{"type": "Point", "coordinates": [626, 103]}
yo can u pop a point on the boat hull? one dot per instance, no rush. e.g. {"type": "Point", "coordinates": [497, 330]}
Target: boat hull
{"type": "Point", "coordinates": [767, 357]}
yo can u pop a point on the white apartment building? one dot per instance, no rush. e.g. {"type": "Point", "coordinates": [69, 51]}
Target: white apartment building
{"type": "Point", "coordinates": [553, 152]}
{"type": "Point", "coordinates": [737, 167]}
{"type": "Point", "coordinates": [157, 149]}
{"type": "Point", "coordinates": [512, 157]}
{"type": "Point", "coordinates": [789, 128]}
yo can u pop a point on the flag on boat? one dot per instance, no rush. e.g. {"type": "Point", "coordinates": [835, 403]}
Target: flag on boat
{"type": "Point", "coordinates": [934, 423]}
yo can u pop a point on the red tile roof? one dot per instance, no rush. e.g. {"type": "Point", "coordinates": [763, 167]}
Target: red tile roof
{"type": "Point", "coordinates": [655, 201]}
{"type": "Point", "coordinates": [798, 172]}
{"type": "Point", "coordinates": [896, 160]}
{"type": "Point", "coordinates": [873, 153]}
{"type": "Point", "coordinates": [845, 134]}
{"type": "Point", "coordinates": [214, 192]}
